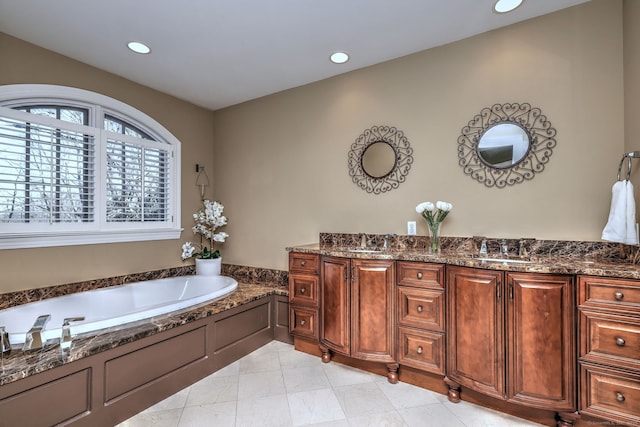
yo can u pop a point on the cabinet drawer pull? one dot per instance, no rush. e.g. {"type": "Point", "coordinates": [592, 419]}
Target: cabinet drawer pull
{"type": "Point", "coordinates": [620, 342]}
{"type": "Point", "coordinates": [302, 322]}
{"type": "Point", "coordinates": [619, 397]}
{"type": "Point", "coordinates": [302, 290]}
{"type": "Point", "coordinates": [419, 309]}
{"type": "Point", "coordinates": [618, 296]}
{"type": "Point", "coordinates": [419, 275]}
{"type": "Point", "coordinates": [419, 350]}
{"type": "Point", "coordinates": [303, 263]}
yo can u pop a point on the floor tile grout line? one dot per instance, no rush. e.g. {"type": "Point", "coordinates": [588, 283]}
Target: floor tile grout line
{"type": "Point", "coordinates": [288, 355]}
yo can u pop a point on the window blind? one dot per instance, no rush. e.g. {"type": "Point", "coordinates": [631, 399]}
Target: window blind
{"type": "Point", "coordinates": [46, 172]}
{"type": "Point", "coordinates": [137, 182]}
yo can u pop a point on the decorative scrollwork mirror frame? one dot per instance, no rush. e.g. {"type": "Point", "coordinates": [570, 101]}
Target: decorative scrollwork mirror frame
{"type": "Point", "coordinates": [403, 159]}
{"type": "Point", "coordinates": [541, 144]}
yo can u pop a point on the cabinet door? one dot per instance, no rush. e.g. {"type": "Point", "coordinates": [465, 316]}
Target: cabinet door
{"type": "Point", "coordinates": [335, 303]}
{"type": "Point", "coordinates": [541, 341]}
{"type": "Point", "coordinates": [475, 337]}
{"type": "Point", "coordinates": [373, 310]}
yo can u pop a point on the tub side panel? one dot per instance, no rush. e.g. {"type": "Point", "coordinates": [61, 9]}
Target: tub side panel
{"type": "Point", "coordinates": [141, 367]}
{"type": "Point", "coordinates": [55, 402]}
{"type": "Point", "coordinates": [239, 332]}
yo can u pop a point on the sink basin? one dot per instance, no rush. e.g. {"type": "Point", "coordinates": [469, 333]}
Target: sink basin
{"type": "Point", "coordinates": [505, 260]}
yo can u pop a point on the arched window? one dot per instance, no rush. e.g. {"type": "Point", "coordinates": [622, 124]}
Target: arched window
{"type": "Point", "coordinates": [77, 167]}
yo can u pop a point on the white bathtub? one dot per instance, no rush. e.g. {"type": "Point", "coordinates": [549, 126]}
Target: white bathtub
{"type": "Point", "coordinates": [116, 305]}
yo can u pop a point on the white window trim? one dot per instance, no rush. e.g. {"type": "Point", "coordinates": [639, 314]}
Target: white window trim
{"type": "Point", "coordinates": [19, 94]}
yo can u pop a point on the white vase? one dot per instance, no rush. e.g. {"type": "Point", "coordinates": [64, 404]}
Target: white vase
{"type": "Point", "coordinates": [208, 267]}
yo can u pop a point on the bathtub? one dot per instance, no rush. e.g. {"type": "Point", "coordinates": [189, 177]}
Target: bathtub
{"type": "Point", "coordinates": [116, 305]}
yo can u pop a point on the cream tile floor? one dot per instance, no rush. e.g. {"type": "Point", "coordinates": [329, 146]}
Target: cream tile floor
{"type": "Point", "coordinates": [278, 386]}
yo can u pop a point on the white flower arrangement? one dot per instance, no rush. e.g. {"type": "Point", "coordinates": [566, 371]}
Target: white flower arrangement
{"type": "Point", "coordinates": [207, 222]}
{"type": "Point", "coordinates": [434, 214]}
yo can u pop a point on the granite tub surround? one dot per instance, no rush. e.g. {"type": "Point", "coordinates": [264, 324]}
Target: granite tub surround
{"type": "Point", "coordinates": [241, 273]}
{"type": "Point", "coordinates": [543, 256]}
{"type": "Point", "coordinates": [18, 365]}
{"type": "Point", "coordinates": [12, 299]}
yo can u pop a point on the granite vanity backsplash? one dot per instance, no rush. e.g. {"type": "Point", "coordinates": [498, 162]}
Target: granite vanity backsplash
{"type": "Point", "coordinates": [471, 245]}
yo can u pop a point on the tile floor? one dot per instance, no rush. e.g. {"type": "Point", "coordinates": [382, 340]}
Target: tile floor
{"type": "Point", "coordinates": [278, 386]}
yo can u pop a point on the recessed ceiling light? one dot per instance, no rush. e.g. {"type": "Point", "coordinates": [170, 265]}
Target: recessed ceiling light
{"type": "Point", "coordinates": [504, 6]}
{"type": "Point", "coordinates": [139, 47]}
{"type": "Point", "coordinates": [339, 57]}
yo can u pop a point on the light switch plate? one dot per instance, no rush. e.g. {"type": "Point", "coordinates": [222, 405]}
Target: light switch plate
{"type": "Point", "coordinates": [411, 228]}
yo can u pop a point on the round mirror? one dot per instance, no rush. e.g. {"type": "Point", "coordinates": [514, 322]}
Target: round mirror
{"type": "Point", "coordinates": [378, 159]}
{"type": "Point", "coordinates": [503, 145]}
{"type": "Point", "coordinates": [506, 144]}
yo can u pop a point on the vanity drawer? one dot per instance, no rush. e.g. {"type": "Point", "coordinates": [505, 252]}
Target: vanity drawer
{"type": "Point", "coordinates": [609, 293]}
{"type": "Point", "coordinates": [420, 274]}
{"type": "Point", "coordinates": [421, 308]}
{"type": "Point", "coordinates": [303, 321]}
{"type": "Point", "coordinates": [303, 289]}
{"type": "Point", "coordinates": [421, 349]}
{"type": "Point", "coordinates": [610, 339]}
{"type": "Point", "coordinates": [304, 263]}
{"type": "Point", "coordinates": [610, 394]}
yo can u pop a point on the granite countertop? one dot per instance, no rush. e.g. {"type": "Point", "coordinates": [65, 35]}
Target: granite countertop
{"type": "Point", "coordinates": [19, 365]}
{"type": "Point", "coordinates": [587, 264]}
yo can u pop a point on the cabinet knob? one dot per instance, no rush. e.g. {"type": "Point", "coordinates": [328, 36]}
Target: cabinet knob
{"type": "Point", "coordinates": [618, 296]}
{"type": "Point", "coordinates": [302, 290]}
{"type": "Point", "coordinates": [620, 342]}
{"type": "Point", "coordinates": [302, 263]}
{"type": "Point", "coordinates": [302, 322]}
{"type": "Point", "coordinates": [619, 397]}
{"type": "Point", "coordinates": [419, 275]}
{"type": "Point", "coordinates": [419, 350]}
{"type": "Point", "coordinates": [419, 308]}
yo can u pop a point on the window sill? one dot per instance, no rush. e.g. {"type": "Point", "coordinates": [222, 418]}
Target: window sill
{"type": "Point", "coordinates": [24, 241]}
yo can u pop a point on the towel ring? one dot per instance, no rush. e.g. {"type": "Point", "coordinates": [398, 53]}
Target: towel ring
{"type": "Point", "coordinates": [626, 156]}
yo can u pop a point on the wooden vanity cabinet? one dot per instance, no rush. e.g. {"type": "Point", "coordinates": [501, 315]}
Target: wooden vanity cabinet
{"type": "Point", "coordinates": [358, 310]}
{"type": "Point", "coordinates": [304, 280]}
{"type": "Point", "coordinates": [512, 336]}
{"type": "Point", "coordinates": [610, 348]}
{"type": "Point", "coordinates": [420, 302]}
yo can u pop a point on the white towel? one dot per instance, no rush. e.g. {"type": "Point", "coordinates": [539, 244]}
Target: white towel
{"type": "Point", "coordinates": [621, 226]}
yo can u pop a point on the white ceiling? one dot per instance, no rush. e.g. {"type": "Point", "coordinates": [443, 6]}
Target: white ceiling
{"type": "Point", "coordinates": [217, 53]}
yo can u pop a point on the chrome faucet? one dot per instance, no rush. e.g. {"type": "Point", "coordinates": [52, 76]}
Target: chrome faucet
{"type": "Point", "coordinates": [385, 244]}
{"type": "Point", "coordinates": [483, 247]}
{"type": "Point", "coordinates": [6, 344]}
{"type": "Point", "coordinates": [65, 339]}
{"type": "Point", "coordinates": [522, 250]}
{"type": "Point", "coordinates": [363, 240]}
{"type": "Point", "coordinates": [504, 249]}
{"type": "Point", "coordinates": [33, 340]}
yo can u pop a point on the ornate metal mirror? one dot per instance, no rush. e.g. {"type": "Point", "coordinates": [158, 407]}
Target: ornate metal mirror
{"type": "Point", "coordinates": [506, 144]}
{"type": "Point", "coordinates": [380, 159]}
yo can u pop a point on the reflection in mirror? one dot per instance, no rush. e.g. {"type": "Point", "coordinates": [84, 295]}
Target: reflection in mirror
{"type": "Point", "coordinates": [503, 145]}
{"type": "Point", "coordinates": [378, 159]}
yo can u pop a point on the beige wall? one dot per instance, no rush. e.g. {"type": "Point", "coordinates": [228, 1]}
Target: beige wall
{"type": "Point", "coordinates": [31, 268]}
{"type": "Point", "coordinates": [281, 161]}
{"type": "Point", "coordinates": [632, 83]}
{"type": "Point", "coordinates": [280, 164]}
